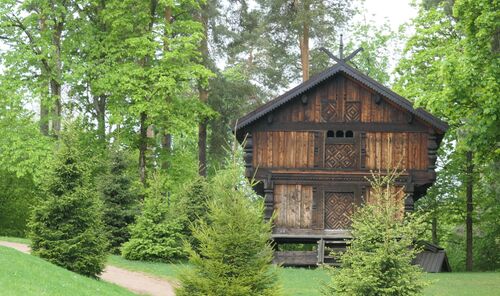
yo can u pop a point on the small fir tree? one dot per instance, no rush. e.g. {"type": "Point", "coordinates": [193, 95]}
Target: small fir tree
{"type": "Point", "coordinates": [157, 234]}
{"type": "Point", "coordinates": [66, 226]}
{"type": "Point", "coordinates": [234, 254]}
{"type": "Point", "coordinates": [378, 260]}
{"type": "Point", "coordinates": [120, 202]}
{"type": "Point", "coordinates": [192, 205]}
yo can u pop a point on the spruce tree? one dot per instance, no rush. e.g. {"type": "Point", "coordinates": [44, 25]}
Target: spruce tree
{"type": "Point", "coordinates": [378, 260]}
{"type": "Point", "coordinates": [192, 205]}
{"type": "Point", "coordinates": [120, 202]}
{"type": "Point", "coordinates": [66, 226]}
{"type": "Point", "coordinates": [157, 234]}
{"type": "Point", "coordinates": [234, 254]}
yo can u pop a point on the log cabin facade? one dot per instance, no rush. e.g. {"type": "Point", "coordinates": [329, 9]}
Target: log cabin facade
{"type": "Point", "coordinates": [313, 147]}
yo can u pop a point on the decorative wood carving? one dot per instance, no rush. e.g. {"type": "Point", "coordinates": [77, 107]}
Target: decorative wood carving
{"type": "Point", "coordinates": [318, 149]}
{"type": "Point", "coordinates": [352, 111]}
{"type": "Point", "coordinates": [363, 150]}
{"type": "Point", "coordinates": [431, 151]}
{"type": "Point", "coordinates": [341, 156]}
{"type": "Point", "coordinates": [339, 207]}
{"type": "Point", "coordinates": [304, 99]}
{"type": "Point", "coordinates": [329, 110]}
{"type": "Point", "coordinates": [268, 197]}
{"type": "Point", "coordinates": [248, 155]}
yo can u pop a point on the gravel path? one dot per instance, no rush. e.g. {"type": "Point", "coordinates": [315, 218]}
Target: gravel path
{"type": "Point", "coordinates": [134, 281]}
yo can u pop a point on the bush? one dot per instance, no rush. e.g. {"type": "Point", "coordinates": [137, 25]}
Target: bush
{"type": "Point", "coordinates": [156, 235]}
{"type": "Point", "coordinates": [66, 227]}
{"type": "Point", "coordinates": [121, 204]}
{"type": "Point", "coordinates": [378, 261]}
{"type": "Point", "coordinates": [234, 253]}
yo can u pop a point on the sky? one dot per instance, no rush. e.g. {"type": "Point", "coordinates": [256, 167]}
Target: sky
{"type": "Point", "coordinates": [397, 12]}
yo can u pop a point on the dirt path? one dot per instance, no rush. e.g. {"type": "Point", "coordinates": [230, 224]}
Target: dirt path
{"type": "Point", "coordinates": [134, 281]}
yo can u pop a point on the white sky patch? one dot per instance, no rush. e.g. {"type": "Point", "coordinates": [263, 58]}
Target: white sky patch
{"type": "Point", "coordinates": [395, 12]}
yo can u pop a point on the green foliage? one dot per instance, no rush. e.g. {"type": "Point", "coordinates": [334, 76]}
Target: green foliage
{"type": "Point", "coordinates": [66, 227]}
{"type": "Point", "coordinates": [121, 203]}
{"type": "Point", "coordinates": [234, 254]}
{"type": "Point", "coordinates": [378, 260]}
{"type": "Point", "coordinates": [156, 235]}
{"type": "Point", "coordinates": [451, 67]}
{"type": "Point", "coordinates": [17, 196]}
{"type": "Point", "coordinates": [192, 204]}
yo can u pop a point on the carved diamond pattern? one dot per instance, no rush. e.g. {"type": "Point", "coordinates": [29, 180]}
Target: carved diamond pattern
{"type": "Point", "coordinates": [339, 207]}
{"type": "Point", "coordinates": [352, 111]}
{"type": "Point", "coordinates": [340, 156]}
{"type": "Point", "coordinates": [329, 110]}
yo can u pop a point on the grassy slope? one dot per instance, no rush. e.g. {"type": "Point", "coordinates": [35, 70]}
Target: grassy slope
{"type": "Point", "coordinates": [26, 275]}
{"type": "Point", "coordinates": [303, 281]}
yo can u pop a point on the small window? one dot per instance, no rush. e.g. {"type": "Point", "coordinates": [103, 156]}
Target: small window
{"type": "Point", "coordinates": [339, 134]}
{"type": "Point", "coordinates": [349, 134]}
{"type": "Point", "coordinates": [330, 134]}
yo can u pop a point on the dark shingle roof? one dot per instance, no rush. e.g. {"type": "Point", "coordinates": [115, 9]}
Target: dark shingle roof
{"type": "Point", "coordinates": [432, 258]}
{"type": "Point", "coordinates": [356, 75]}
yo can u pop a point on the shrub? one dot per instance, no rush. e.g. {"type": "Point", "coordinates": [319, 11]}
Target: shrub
{"type": "Point", "coordinates": [378, 261]}
{"type": "Point", "coordinates": [66, 226]}
{"type": "Point", "coordinates": [156, 235]}
{"type": "Point", "coordinates": [121, 204]}
{"type": "Point", "coordinates": [234, 253]}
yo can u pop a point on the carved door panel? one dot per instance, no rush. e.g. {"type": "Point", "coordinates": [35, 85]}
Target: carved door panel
{"type": "Point", "coordinates": [339, 207]}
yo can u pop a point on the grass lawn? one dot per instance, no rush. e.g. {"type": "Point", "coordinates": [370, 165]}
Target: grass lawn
{"type": "Point", "coordinates": [306, 281]}
{"type": "Point", "coordinates": [15, 239]}
{"type": "Point", "coordinates": [295, 281]}
{"type": "Point", "coordinates": [26, 275]}
{"type": "Point", "coordinates": [165, 270]}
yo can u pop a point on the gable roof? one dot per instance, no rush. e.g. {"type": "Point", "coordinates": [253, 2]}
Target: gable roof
{"type": "Point", "coordinates": [356, 75]}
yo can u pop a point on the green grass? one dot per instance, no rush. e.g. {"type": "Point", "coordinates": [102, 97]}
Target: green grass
{"type": "Point", "coordinates": [26, 275]}
{"type": "Point", "coordinates": [15, 239]}
{"type": "Point", "coordinates": [164, 270]}
{"type": "Point", "coordinates": [304, 281]}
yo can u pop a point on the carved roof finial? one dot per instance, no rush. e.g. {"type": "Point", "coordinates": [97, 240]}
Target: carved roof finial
{"type": "Point", "coordinates": [341, 58]}
{"type": "Point", "coordinates": [341, 48]}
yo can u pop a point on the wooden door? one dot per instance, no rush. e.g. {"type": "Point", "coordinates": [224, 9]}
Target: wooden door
{"type": "Point", "coordinates": [339, 207]}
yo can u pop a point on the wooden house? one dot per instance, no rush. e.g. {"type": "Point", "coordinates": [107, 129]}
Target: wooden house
{"type": "Point", "coordinates": [313, 147]}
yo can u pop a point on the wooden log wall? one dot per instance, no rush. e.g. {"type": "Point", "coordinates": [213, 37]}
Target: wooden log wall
{"type": "Point", "coordinates": [390, 150]}
{"type": "Point", "coordinates": [382, 150]}
{"type": "Point", "coordinates": [283, 149]}
{"type": "Point", "coordinates": [293, 206]}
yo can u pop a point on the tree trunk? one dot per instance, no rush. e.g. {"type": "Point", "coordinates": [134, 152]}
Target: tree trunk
{"type": "Point", "coordinates": [55, 93]}
{"type": "Point", "coordinates": [166, 138]}
{"type": "Point", "coordinates": [434, 230]}
{"type": "Point", "coordinates": [470, 208]}
{"type": "Point", "coordinates": [143, 146]}
{"type": "Point", "coordinates": [304, 51]}
{"type": "Point", "coordinates": [44, 117]}
{"type": "Point", "coordinates": [100, 110]}
{"type": "Point", "coordinates": [203, 95]}
{"type": "Point", "coordinates": [304, 44]}
{"type": "Point", "coordinates": [55, 80]}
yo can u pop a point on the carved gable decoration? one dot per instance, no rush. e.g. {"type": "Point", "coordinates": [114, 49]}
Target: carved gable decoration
{"type": "Point", "coordinates": [338, 106]}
